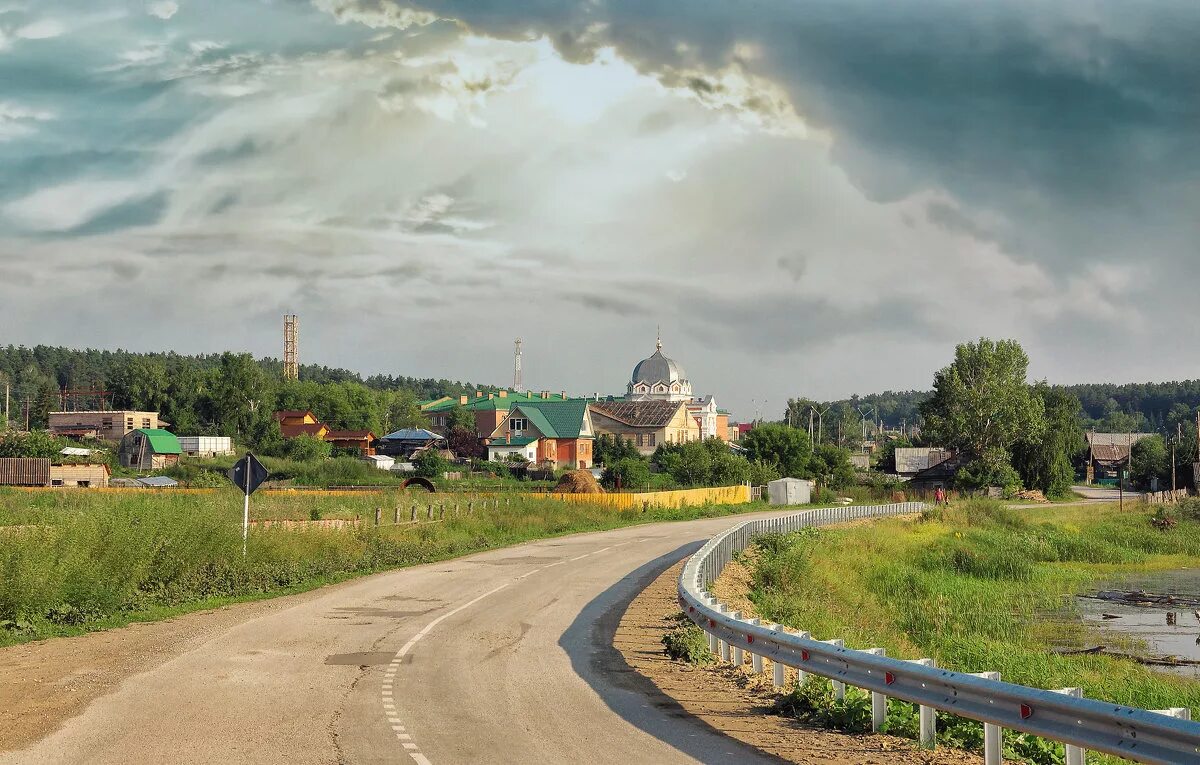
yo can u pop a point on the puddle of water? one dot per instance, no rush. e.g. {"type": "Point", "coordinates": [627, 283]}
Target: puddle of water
{"type": "Point", "coordinates": [1162, 630]}
{"type": "Point", "coordinates": [366, 659]}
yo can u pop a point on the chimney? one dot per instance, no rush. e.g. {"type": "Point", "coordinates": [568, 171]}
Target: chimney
{"type": "Point", "coordinates": [545, 394]}
{"type": "Point", "coordinates": [478, 394]}
{"type": "Point", "coordinates": [503, 394]}
{"type": "Point", "coordinates": [564, 395]}
{"type": "Point", "coordinates": [462, 400]}
{"type": "Point", "coordinates": [491, 396]}
{"type": "Point", "coordinates": [508, 437]}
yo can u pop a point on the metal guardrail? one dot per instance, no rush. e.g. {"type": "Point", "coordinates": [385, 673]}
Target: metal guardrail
{"type": "Point", "coordinates": [1162, 736]}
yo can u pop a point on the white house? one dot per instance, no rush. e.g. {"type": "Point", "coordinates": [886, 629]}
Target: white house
{"type": "Point", "coordinates": [205, 446]}
{"type": "Point", "coordinates": [500, 451]}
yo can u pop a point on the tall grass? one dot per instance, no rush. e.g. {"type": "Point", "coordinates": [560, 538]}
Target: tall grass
{"type": "Point", "coordinates": [76, 560]}
{"type": "Point", "coordinates": [978, 587]}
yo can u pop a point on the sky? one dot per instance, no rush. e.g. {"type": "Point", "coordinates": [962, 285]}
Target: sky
{"type": "Point", "coordinates": [812, 198]}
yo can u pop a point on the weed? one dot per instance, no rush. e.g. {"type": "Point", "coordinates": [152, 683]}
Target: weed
{"type": "Point", "coordinates": [687, 642]}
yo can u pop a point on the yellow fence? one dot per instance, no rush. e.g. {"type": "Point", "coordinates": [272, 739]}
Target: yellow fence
{"type": "Point", "coordinates": [721, 495]}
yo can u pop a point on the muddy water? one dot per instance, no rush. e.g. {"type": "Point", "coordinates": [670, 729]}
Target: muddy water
{"type": "Point", "coordinates": [1160, 630]}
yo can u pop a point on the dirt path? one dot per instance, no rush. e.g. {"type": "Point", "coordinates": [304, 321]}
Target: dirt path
{"type": "Point", "coordinates": [45, 683]}
{"type": "Point", "coordinates": [735, 702]}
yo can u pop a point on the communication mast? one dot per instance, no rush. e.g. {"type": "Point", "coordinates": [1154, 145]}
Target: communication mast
{"type": "Point", "coordinates": [291, 356]}
{"type": "Point", "coordinates": [517, 366]}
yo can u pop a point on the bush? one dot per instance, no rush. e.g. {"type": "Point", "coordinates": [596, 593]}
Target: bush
{"type": "Point", "coordinates": [627, 473]}
{"type": "Point", "coordinates": [430, 464]}
{"type": "Point", "coordinates": [687, 642]}
{"type": "Point", "coordinates": [306, 448]}
{"type": "Point", "coordinates": [761, 473]}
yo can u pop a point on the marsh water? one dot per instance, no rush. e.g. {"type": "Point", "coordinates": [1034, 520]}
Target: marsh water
{"type": "Point", "coordinates": [1157, 630]}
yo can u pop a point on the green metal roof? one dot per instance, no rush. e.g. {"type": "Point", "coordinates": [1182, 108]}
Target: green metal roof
{"type": "Point", "coordinates": [558, 418]}
{"type": "Point", "coordinates": [161, 441]}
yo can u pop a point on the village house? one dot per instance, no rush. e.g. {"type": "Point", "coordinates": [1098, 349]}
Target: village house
{"type": "Point", "coordinates": [645, 424]}
{"type": "Point", "coordinates": [911, 460]}
{"type": "Point", "coordinates": [40, 472]}
{"type": "Point", "coordinates": [149, 449]}
{"type": "Point", "coordinates": [487, 409]}
{"type": "Point", "coordinates": [108, 425]}
{"type": "Point", "coordinates": [1108, 455]}
{"type": "Point", "coordinates": [360, 441]}
{"type": "Point", "coordinates": [555, 433]}
{"type": "Point", "coordinates": [405, 442]}
{"type": "Point", "coordinates": [294, 423]}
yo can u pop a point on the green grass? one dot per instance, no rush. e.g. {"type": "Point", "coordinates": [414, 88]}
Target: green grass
{"type": "Point", "coordinates": [972, 586]}
{"type": "Point", "coordinates": [88, 560]}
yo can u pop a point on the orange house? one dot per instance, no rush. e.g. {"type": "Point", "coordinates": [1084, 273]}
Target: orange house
{"type": "Point", "coordinates": [561, 431]}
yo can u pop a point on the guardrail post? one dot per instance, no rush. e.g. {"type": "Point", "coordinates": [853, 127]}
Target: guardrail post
{"type": "Point", "coordinates": [756, 662]}
{"type": "Point", "coordinates": [739, 657]}
{"type": "Point", "coordinates": [778, 669]}
{"type": "Point", "coordinates": [721, 643]}
{"type": "Point", "coordinates": [414, 512]}
{"type": "Point", "coordinates": [1179, 713]}
{"type": "Point", "coordinates": [1075, 755]}
{"type": "Point", "coordinates": [993, 735]}
{"type": "Point", "coordinates": [396, 515]}
{"type": "Point", "coordinates": [378, 515]}
{"type": "Point", "coordinates": [928, 715]}
{"type": "Point", "coordinates": [839, 688]}
{"type": "Point", "coordinates": [429, 512]}
{"type": "Point", "coordinates": [879, 701]}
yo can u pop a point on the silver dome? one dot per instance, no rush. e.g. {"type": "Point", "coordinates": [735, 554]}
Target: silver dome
{"type": "Point", "coordinates": [658, 368]}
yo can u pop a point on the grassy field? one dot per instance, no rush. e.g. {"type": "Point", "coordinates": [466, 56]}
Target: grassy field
{"type": "Point", "coordinates": [72, 561]}
{"type": "Point", "coordinates": [978, 588]}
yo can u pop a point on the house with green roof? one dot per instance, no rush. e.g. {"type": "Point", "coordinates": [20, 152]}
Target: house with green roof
{"type": "Point", "coordinates": [149, 449]}
{"type": "Point", "coordinates": [487, 408]}
{"type": "Point", "coordinates": [555, 432]}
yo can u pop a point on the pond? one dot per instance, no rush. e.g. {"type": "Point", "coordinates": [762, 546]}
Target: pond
{"type": "Point", "coordinates": [1155, 630]}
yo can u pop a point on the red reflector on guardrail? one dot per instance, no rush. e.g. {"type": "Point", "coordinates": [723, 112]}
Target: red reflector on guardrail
{"type": "Point", "coordinates": [749, 638]}
{"type": "Point", "coordinates": [1026, 711]}
{"type": "Point", "coordinates": [888, 678]}
{"type": "Point", "coordinates": [691, 609]}
{"type": "Point", "coordinates": [803, 655]}
{"type": "Point", "coordinates": [712, 623]}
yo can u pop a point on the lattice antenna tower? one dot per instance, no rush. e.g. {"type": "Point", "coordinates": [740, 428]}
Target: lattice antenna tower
{"type": "Point", "coordinates": [517, 365]}
{"type": "Point", "coordinates": [291, 353]}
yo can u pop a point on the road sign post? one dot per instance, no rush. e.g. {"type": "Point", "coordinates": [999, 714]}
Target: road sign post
{"type": "Point", "coordinates": [247, 474]}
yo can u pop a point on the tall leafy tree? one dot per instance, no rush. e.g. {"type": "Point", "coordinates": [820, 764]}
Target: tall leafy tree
{"type": "Point", "coordinates": [1047, 462]}
{"type": "Point", "coordinates": [785, 448]}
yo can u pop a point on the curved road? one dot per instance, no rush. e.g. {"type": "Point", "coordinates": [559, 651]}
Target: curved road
{"type": "Point", "coordinates": [500, 657]}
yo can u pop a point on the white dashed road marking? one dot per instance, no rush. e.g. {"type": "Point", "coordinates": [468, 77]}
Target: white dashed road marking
{"type": "Point", "coordinates": [389, 704]}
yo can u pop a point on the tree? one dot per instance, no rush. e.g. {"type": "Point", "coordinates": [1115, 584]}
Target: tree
{"type": "Point", "coordinates": [1047, 463]}
{"type": "Point", "coordinates": [465, 443]}
{"type": "Point", "coordinates": [626, 473]}
{"type": "Point", "coordinates": [461, 419]}
{"type": "Point", "coordinates": [430, 464]}
{"type": "Point", "coordinates": [981, 406]}
{"type": "Point", "coordinates": [831, 466]}
{"type": "Point", "coordinates": [608, 449]}
{"type": "Point", "coordinates": [886, 455]}
{"type": "Point", "coordinates": [1150, 460]}
{"type": "Point", "coordinates": [402, 411]}
{"type": "Point", "coordinates": [689, 464]}
{"type": "Point", "coordinates": [785, 448]}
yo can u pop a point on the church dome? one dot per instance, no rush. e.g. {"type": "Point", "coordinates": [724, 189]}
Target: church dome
{"type": "Point", "coordinates": [658, 368]}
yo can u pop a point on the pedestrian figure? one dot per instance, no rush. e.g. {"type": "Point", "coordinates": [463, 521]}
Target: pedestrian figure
{"type": "Point", "coordinates": [939, 496]}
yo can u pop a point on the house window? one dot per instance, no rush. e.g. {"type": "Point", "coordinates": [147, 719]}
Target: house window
{"type": "Point", "coordinates": [106, 422]}
{"type": "Point", "coordinates": [56, 482]}
{"type": "Point", "coordinates": [639, 440]}
{"type": "Point", "coordinates": [650, 439]}
{"type": "Point", "coordinates": [129, 423]}
{"type": "Point", "coordinates": [145, 422]}
{"type": "Point", "coordinates": [84, 484]}
{"type": "Point", "coordinates": [517, 424]}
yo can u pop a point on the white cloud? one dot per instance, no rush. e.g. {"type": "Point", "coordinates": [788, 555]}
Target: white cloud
{"type": "Point", "coordinates": [384, 13]}
{"type": "Point", "coordinates": [62, 208]}
{"type": "Point", "coordinates": [17, 121]}
{"type": "Point", "coordinates": [43, 29]}
{"type": "Point", "coordinates": [163, 9]}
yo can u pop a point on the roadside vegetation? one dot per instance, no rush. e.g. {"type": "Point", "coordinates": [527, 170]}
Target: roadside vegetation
{"type": "Point", "coordinates": [73, 561]}
{"type": "Point", "coordinates": [977, 587]}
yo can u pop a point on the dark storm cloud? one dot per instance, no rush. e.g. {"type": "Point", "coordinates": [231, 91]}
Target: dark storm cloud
{"type": "Point", "coordinates": [1077, 119]}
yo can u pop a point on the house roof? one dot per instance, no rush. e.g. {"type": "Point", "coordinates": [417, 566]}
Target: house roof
{"type": "Point", "coordinates": [639, 414]}
{"type": "Point", "coordinates": [1110, 452]}
{"type": "Point", "coordinates": [412, 434]}
{"type": "Point", "coordinates": [161, 441]}
{"type": "Point", "coordinates": [914, 459]}
{"type": "Point", "coordinates": [158, 482]}
{"type": "Point", "coordinates": [349, 435]}
{"type": "Point", "coordinates": [1115, 439]}
{"type": "Point", "coordinates": [287, 414]}
{"type": "Point", "coordinates": [558, 418]}
{"type": "Point", "coordinates": [658, 368]}
{"type": "Point", "coordinates": [24, 471]}
{"type": "Point", "coordinates": [313, 429]}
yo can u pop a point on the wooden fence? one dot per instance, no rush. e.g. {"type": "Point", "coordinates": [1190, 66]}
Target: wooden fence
{"type": "Point", "coordinates": [1164, 497]}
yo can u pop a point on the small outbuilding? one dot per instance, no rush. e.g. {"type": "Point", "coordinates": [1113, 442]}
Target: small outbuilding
{"type": "Point", "coordinates": [83, 476]}
{"type": "Point", "coordinates": [406, 441]}
{"type": "Point", "coordinates": [789, 491]}
{"type": "Point", "coordinates": [149, 449]}
{"type": "Point", "coordinates": [206, 446]}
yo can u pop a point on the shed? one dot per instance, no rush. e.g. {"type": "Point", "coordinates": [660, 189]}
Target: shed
{"type": "Point", "coordinates": [406, 441]}
{"type": "Point", "coordinates": [149, 449]}
{"type": "Point", "coordinates": [206, 446]}
{"type": "Point", "coordinates": [789, 491]}
{"type": "Point", "coordinates": [83, 476]}
{"type": "Point", "coordinates": [24, 471]}
{"type": "Point", "coordinates": [380, 461]}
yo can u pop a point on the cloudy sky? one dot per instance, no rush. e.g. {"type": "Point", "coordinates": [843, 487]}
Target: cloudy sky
{"type": "Point", "coordinates": [811, 198]}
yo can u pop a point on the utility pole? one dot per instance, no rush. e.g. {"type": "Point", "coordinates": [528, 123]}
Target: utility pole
{"type": "Point", "coordinates": [6, 407]}
{"type": "Point", "coordinates": [27, 414]}
{"type": "Point", "coordinates": [810, 423]}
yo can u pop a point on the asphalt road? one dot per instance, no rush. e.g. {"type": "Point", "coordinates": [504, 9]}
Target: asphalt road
{"type": "Point", "coordinates": [500, 657]}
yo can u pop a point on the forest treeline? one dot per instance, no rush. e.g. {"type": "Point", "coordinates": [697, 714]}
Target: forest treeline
{"type": "Point", "coordinates": [230, 394]}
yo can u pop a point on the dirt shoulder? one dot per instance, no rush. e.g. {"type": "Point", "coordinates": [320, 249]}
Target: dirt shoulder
{"type": "Point", "coordinates": [45, 683]}
{"type": "Point", "coordinates": [737, 703]}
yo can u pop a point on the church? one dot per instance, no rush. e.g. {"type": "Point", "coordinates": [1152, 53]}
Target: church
{"type": "Point", "coordinates": [660, 406]}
